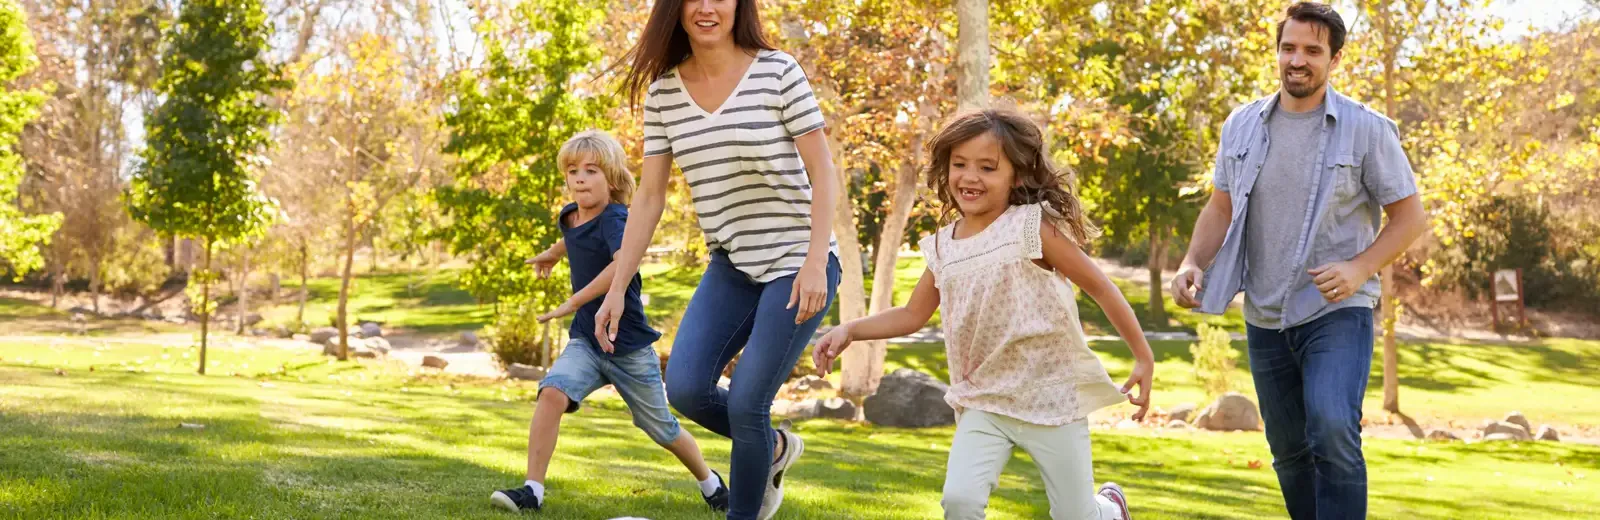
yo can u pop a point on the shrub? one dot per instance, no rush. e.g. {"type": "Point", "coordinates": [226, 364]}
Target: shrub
{"type": "Point", "coordinates": [1214, 360]}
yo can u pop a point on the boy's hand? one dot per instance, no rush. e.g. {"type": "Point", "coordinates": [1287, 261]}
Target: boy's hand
{"type": "Point", "coordinates": [829, 348]}
{"type": "Point", "coordinates": [543, 265]}
{"type": "Point", "coordinates": [1143, 371]}
{"type": "Point", "coordinates": [565, 309]}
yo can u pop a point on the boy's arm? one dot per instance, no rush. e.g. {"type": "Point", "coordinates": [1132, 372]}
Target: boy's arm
{"type": "Point", "coordinates": [1068, 259]}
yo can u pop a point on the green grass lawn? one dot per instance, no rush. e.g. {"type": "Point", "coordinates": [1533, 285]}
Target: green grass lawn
{"type": "Point", "coordinates": [422, 302]}
{"type": "Point", "coordinates": [23, 317]}
{"type": "Point", "coordinates": [295, 436]}
{"type": "Point", "coordinates": [1550, 382]}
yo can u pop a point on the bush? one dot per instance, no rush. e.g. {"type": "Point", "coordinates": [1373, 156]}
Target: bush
{"type": "Point", "coordinates": [518, 337]}
{"type": "Point", "coordinates": [137, 265]}
{"type": "Point", "coordinates": [1214, 360]}
{"type": "Point", "coordinates": [1509, 232]}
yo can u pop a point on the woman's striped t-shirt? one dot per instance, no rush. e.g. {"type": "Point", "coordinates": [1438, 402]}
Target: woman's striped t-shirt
{"type": "Point", "coordinates": [750, 188]}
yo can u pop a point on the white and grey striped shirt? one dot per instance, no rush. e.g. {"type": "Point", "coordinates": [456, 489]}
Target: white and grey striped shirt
{"type": "Point", "coordinates": [750, 188]}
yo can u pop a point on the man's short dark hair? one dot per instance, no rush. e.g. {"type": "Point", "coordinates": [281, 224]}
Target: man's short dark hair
{"type": "Point", "coordinates": [1320, 14]}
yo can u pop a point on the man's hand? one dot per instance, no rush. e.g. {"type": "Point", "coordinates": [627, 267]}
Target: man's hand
{"type": "Point", "coordinates": [1340, 280]}
{"type": "Point", "coordinates": [1186, 286]}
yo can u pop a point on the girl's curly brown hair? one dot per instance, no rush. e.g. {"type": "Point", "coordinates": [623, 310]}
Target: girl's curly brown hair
{"type": "Point", "coordinates": [1040, 179]}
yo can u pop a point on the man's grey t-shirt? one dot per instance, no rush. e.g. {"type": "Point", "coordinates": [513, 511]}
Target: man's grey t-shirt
{"type": "Point", "coordinates": [1277, 207]}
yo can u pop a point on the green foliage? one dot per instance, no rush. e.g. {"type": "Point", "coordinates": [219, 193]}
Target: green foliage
{"type": "Point", "coordinates": [21, 235]}
{"type": "Point", "coordinates": [518, 337]}
{"type": "Point", "coordinates": [197, 176]}
{"type": "Point", "coordinates": [137, 264]}
{"type": "Point", "coordinates": [1516, 232]}
{"type": "Point", "coordinates": [510, 119]}
{"type": "Point", "coordinates": [1214, 360]}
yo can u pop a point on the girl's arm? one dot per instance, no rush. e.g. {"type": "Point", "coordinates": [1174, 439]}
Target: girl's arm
{"type": "Point", "coordinates": [1065, 257]}
{"type": "Point", "coordinates": [644, 213]}
{"type": "Point", "coordinates": [811, 284]}
{"type": "Point", "coordinates": [891, 323]}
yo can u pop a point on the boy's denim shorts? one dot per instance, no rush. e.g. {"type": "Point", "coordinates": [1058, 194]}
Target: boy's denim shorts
{"type": "Point", "coordinates": [582, 369]}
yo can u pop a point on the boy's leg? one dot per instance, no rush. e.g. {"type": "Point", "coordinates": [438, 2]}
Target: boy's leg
{"type": "Point", "coordinates": [574, 375]}
{"type": "Point", "coordinates": [1276, 369]}
{"type": "Point", "coordinates": [543, 430]}
{"type": "Point", "coordinates": [637, 378]}
{"type": "Point", "coordinates": [978, 453]}
{"type": "Point", "coordinates": [1066, 463]}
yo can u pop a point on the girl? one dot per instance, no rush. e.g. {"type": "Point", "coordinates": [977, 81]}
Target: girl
{"type": "Point", "coordinates": [591, 232]}
{"type": "Point", "coordinates": [740, 120]}
{"type": "Point", "coordinates": [1020, 372]}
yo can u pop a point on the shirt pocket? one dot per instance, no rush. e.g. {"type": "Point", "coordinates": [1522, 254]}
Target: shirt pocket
{"type": "Point", "coordinates": [1346, 184]}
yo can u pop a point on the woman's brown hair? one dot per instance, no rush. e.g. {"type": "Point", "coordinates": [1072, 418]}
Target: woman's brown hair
{"type": "Point", "coordinates": [665, 44]}
{"type": "Point", "coordinates": [1039, 178]}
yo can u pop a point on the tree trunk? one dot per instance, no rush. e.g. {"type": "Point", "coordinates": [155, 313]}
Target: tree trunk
{"type": "Point", "coordinates": [972, 53]}
{"type": "Point", "coordinates": [344, 284]}
{"type": "Point", "coordinates": [1158, 256]}
{"type": "Point", "coordinates": [57, 284]}
{"type": "Point", "coordinates": [862, 364]}
{"type": "Point", "coordinates": [94, 284]}
{"type": "Point", "coordinates": [305, 262]}
{"type": "Point", "coordinates": [1386, 297]}
{"type": "Point", "coordinates": [205, 306]}
{"type": "Point", "coordinates": [243, 305]}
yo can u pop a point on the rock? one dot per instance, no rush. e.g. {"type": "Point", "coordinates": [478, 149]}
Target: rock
{"type": "Point", "coordinates": [525, 372]}
{"type": "Point", "coordinates": [378, 344]}
{"type": "Point", "coordinates": [1517, 419]}
{"type": "Point", "coordinates": [1502, 437]}
{"type": "Point", "coordinates": [1182, 412]}
{"type": "Point", "coordinates": [810, 383]}
{"type": "Point", "coordinates": [361, 351]}
{"type": "Point", "coordinates": [282, 332]}
{"type": "Point", "coordinates": [799, 411]}
{"type": "Point", "coordinates": [371, 330]}
{"type": "Point", "coordinates": [80, 310]}
{"type": "Point", "coordinates": [434, 362]}
{"type": "Point", "coordinates": [468, 339]}
{"type": "Point", "coordinates": [250, 320]}
{"type": "Point", "coordinates": [176, 320]}
{"type": "Point", "coordinates": [836, 408]}
{"type": "Point", "coordinates": [302, 337]}
{"type": "Point", "coordinates": [909, 399]}
{"type": "Point", "coordinates": [321, 334]}
{"type": "Point", "coordinates": [1546, 433]}
{"type": "Point", "coordinates": [1233, 411]}
{"type": "Point", "coordinates": [1441, 435]}
{"type": "Point", "coordinates": [1128, 424]}
{"type": "Point", "coordinates": [782, 407]}
{"type": "Point", "coordinates": [1492, 428]}
{"type": "Point", "coordinates": [1178, 425]}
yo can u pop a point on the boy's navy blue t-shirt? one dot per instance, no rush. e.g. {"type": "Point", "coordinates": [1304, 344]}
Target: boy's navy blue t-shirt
{"type": "Point", "coordinates": [590, 246]}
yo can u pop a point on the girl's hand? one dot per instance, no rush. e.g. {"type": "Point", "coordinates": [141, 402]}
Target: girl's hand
{"type": "Point", "coordinates": [829, 348]}
{"type": "Point", "coordinates": [810, 291]}
{"type": "Point", "coordinates": [606, 321]}
{"type": "Point", "coordinates": [565, 309]}
{"type": "Point", "coordinates": [1143, 371]}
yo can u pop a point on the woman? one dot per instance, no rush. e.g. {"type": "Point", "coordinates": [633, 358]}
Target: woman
{"type": "Point", "coordinates": [740, 120]}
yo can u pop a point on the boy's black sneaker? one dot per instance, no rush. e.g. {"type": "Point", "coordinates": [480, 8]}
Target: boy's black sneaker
{"type": "Point", "coordinates": [518, 499]}
{"type": "Point", "coordinates": [719, 499]}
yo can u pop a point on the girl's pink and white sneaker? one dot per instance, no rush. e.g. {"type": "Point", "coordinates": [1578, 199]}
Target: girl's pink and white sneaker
{"type": "Point", "coordinates": [1114, 493]}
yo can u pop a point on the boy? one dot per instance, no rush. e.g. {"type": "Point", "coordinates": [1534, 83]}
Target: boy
{"type": "Point", "coordinates": [591, 229]}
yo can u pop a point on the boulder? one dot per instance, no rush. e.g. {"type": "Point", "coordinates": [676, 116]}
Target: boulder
{"type": "Point", "coordinates": [1178, 425]}
{"type": "Point", "coordinates": [282, 332]}
{"type": "Point", "coordinates": [909, 399]}
{"type": "Point", "coordinates": [1517, 419]}
{"type": "Point", "coordinates": [377, 344]}
{"type": "Point", "coordinates": [468, 339]}
{"type": "Point", "coordinates": [321, 334]}
{"type": "Point", "coordinates": [1231, 412]}
{"type": "Point", "coordinates": [835, 408]}
{"type": "Point", "coordinates": [1182, 412]}
{"type": "Point", "coordinates": [525, 372]}
{"type": "Point", "coordinates": [358, 350]}
{"type": "Point", "coordinates": [434, 362]}
{"type": "Point", "coordinates": [250, 320]}
{"type": "Point", "coordinates": [371, 330]}
{"type": "Point", "coordinates": [1441, 435]}
{"type": "Point", "coordinates": [783, 407]}
{"type": "Point", "coordinates": [1501, 427]}
{"type": "Point", "coordinates": [1546, 433]}
{"type": "Point", "coordinates": [1502, 437]}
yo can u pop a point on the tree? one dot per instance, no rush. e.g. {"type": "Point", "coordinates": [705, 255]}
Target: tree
{"type": "Point", "coordinates": [197, 176]}
{"type": "Point", "coordinates": [972, 53]}
{"type": "Point", "coordinates": [509, 120]}
{"type": "Point", "coordinates": [20, 234]}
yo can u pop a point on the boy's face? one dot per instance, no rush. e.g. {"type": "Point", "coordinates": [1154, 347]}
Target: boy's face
{"type": "Point", "coordinates": [587, 182]}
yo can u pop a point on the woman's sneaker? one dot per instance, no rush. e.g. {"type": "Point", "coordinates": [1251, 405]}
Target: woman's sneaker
{"type": "Point", "coordinates": [719, 499]}
{"type": "Point", "coordinates": [793, 446]}
{"type": "Point", "coordinates": [1114, 493]}
{"type": "Point", "coordinates": [516, 500]}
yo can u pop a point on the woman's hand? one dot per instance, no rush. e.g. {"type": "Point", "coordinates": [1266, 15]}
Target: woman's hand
{"type": "Point", "coordinates": [810, 290]}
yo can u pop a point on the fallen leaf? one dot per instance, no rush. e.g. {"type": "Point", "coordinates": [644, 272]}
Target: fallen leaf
{"type": "Point", "coordinates": [1255, 464]}
{"type": "Point", "coordinates": [61, 372]}
{"type": "Point", "coordinates": [192, 426]}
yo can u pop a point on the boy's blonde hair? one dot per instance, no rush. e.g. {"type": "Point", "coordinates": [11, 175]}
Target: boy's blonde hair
{"type": "Point", "coordinates": [607, 153]}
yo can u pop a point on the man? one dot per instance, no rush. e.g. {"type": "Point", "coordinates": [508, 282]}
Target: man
{"type": "Point", "coordinates": [1302, 180]}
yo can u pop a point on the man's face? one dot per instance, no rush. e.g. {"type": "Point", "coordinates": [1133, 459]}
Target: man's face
{"type": "Point", "coordinates": [1304, 58]}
